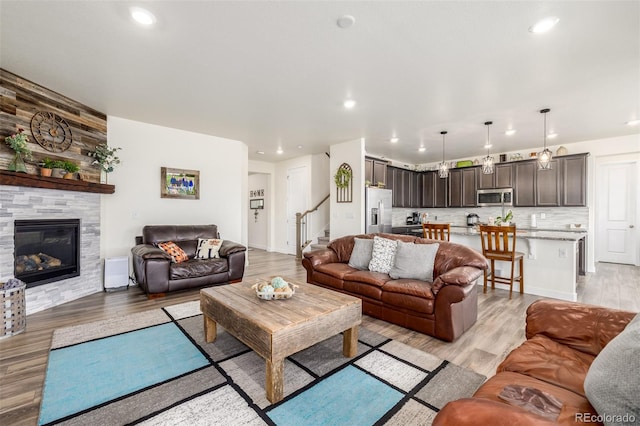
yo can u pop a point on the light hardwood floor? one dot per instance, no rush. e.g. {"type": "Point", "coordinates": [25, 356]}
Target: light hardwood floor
{"type": "Point", "coordinates": [500, 327]}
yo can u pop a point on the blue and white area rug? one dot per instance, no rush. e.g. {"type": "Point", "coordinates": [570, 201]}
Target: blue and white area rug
{"type": "Point", "coordinates": [154, 368]}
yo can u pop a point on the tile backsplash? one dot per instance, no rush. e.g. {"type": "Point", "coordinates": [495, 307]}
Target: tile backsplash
{"type": "Point", "coordinates": [555, 217]}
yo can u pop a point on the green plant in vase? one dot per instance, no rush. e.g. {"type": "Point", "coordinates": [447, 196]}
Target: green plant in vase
{"type": "Point", "coordinates": [71, 169]}
{"type": "Point", "coordinates": [105, 158]}
{"type": "Point", "coordinates": [18, 143]}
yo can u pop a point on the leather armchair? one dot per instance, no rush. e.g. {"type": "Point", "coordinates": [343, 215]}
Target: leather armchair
{"type": "Point", "coordinates": [157, 275]}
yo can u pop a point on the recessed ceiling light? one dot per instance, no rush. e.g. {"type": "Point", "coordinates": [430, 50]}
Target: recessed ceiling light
{"type": "Point", "coordinates": [394, 139]}
{"type": "Point", "coordinates": [142, 16]}
{"type": "Point", "coordinates": [349, 103]}
{"type": "Point", "coordinates": [299, 146]}
{"type": "Point", "coordinates": [487, 145]}
{"type": "Point", "coordinates": [346, 21]}
{"type": "Point", "coordinates": [422, 149]}
{"type": "Point", "coordinates": [279, 151]}
{"type": "Point", "coordinates": [544, 25]}
{"type": "Point", "coordinates": [552, 135]}
{"type": "Point", "coordinates": [510, 132]}
{"type": "Point", "coordinates": [260, 152]}
{"type": "Point", "coordinates": [632, 123]}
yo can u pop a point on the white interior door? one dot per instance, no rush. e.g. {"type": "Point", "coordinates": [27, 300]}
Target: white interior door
{"type": "Point", "coordinates": [616, 195]}
{"type": "Point", "coordinates": [297, 187]}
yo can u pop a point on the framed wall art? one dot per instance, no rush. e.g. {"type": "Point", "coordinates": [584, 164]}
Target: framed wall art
{"type": "Point", "coordinates": [179, 183]}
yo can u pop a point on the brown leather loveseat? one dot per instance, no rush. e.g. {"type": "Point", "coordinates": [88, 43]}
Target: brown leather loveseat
{"type": "Point", "coordinates": [445, 308]}
{"type": "Point", "coordinates": [580, 364]}
{"type": "Point", "coordinates": [157, 274]}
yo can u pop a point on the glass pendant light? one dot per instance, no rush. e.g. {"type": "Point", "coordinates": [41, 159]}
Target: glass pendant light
{"type": "Point", "coordinates": [544, 158]}
{"type": "Point", "coordinates": [487, 163]}
{"type": "Point", "coordinates": [443, 169]}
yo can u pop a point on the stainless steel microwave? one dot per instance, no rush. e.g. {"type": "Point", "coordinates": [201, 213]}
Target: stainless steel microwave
{"type": "Point", "coordinates": [494, 197]}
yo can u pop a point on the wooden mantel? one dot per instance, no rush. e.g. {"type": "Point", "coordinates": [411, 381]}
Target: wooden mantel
{"type": "Point", "coordinates": [24, 179]}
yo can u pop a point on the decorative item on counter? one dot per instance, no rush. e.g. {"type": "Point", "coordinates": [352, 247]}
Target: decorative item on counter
{"type": "Point", "coordinates": [562, 151]}
{"type": "Point", "coordinates": [18, 143]}
{"type": "Point", "coordinates": [534, 223]}
{"type": "Point", "coordinates": [491, 221]}
{"type": "Point", "coordinates": [276, 288]}
{"type": "Point", "coordinates": [506, 220]}
{"type": "Point", "coordinates": [105, 158]}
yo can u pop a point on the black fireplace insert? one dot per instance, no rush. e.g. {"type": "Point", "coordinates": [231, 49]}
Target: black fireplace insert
{"type": "Point", "coordinates": [46, 250]}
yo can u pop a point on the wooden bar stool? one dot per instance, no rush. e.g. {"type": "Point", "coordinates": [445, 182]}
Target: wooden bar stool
{"type": "Point", "coordinates": [436, 231]}
{"type": "Point", "coordinates": [499, 243]}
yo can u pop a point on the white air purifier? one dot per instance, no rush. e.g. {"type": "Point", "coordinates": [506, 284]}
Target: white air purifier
{"type": "Point", "coordinates": [116, 273]}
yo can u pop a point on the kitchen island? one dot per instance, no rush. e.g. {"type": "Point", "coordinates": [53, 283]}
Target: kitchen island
{"type": "Point", "coordinates": [553, 258]}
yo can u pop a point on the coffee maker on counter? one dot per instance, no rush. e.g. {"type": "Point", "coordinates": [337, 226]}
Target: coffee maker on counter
{"type": "Point", "coordinates": [472, 219]}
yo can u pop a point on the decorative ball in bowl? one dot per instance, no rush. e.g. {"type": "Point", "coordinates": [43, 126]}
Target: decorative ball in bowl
{"type": "Point", "coordinates": [276, 288]}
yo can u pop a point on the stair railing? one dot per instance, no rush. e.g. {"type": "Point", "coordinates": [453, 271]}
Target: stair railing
{"type": "Point", "coordinates": [301, 229]}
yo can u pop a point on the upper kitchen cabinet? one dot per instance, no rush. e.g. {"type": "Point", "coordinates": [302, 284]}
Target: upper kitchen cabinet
{"type": "Point", "coordinates": [548, 185]}
{"type": "Point", "coordinates": [500, 178]}
{"type": "Point", "coordinates": [574, 180]}
{"type": "Point", "coordinates": [524, 188]}
{"type": "Point", "coordinates": [462, 187]}
{"type": "Point", "coordinates": [375, 171]}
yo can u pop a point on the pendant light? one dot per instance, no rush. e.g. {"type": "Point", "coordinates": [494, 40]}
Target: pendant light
{"type": "Point", "coordinates": [443, 169]}
{"type": "Point", "coordinates": [544, 158]}
{"type": "Point", "coordinates": [487, 163]}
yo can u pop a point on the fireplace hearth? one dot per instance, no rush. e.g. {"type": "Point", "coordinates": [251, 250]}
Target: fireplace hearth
{"type": "Point", "coordinates": [46, 250]}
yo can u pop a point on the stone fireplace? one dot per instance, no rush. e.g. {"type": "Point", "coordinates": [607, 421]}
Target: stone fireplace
{"type": "Point", "coordinates": [20, 203]}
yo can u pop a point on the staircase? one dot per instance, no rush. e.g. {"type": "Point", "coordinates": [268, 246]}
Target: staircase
{"type": "Point", "coordinates": [322, 241]}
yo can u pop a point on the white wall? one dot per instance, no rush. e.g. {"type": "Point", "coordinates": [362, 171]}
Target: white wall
{"type": "Point", "coordinates": [145, 149]}
{"type": "Point", "coordinates": [319, 220]}
{"type": "Point", "coordinates": [348, 218]}
{"type": "Point", "coordinates": [269, 170]}
{"type": "Point", "coordinates": [258, 227]}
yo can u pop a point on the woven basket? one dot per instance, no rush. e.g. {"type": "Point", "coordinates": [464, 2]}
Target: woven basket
{"type": "Point", "coordinates": [14, 318]}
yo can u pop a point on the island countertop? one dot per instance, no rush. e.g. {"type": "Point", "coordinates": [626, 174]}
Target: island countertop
{"type": "Point", "coordinates": [524, 233]}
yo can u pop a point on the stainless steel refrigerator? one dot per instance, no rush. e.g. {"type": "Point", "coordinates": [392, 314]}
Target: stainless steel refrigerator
{"type": "Point", "coordinates": [378, 210]}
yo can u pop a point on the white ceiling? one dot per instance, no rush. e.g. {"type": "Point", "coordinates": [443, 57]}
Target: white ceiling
{"type": "Point", "coordinates": [275, 73]}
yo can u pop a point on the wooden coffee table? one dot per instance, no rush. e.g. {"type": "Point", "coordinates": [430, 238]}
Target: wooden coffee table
{"type": "Point", "coordinates": [275, 329]}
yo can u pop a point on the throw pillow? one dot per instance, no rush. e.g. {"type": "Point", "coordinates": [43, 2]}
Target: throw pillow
{"type": "Point", "coordinates": [361, 254]}
{"type": "Point", "coordinates": [414, 261]}
{"type": "Point", "coordinates": [172, 249]}
{"type": "Point", "coordinates": [382, 255]}
{"type": "Point", "coordinates": [612, 381]}
{"type": "Point", "coordinates": [208, 248]}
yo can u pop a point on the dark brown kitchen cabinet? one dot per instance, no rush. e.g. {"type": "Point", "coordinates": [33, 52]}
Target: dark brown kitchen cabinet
{"type": "Point", "coordinates": [428, 189]}
{"type": "Point", "coordinates": [524, 189]}
{"type": "Point", "coordinates": [441, 187]}
{"type": "Point", "coordinates": [416, 193]}
{"type": "Point", "coordinates": [500, 178]}
{"type": "Point", "coordinates": [462, 187]}
{"type": "Point", "coordinates": [574, 180]}
{"type": "Point", "coordinates": [548, 185]}
{"type": "Point", "coordinates": [375, 171]}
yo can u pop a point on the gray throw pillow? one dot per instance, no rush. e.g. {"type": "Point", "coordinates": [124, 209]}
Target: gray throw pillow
{"type": "Point", "coordinates": [414, 261]}
{"type": "Point", "coordinates": [613, 380]}
{"type": "Point", "coordinates": [383, 254]}
{"type": "Point", "coordinates": [361, 254]}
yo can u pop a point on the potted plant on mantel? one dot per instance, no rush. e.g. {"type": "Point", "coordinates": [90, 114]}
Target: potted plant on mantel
{"type": "Point", "coordinates": [47, 166]}
{"type": "Point", "coordinates": [18, 143]}
{"type": "Point", "coordinates": [71, 169]}
{"type": "Point", "coordinates": [105, 158]}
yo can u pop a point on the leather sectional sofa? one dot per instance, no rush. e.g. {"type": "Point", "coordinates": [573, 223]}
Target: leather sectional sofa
{"type": "Point", "coordinates": [445, 308]}
{"type": "Point", "coordinates": [157, 274]}
{"type": "Point", "coordinates": [546, 380]}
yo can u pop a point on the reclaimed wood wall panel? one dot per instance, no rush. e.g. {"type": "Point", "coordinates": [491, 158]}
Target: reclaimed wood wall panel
{"type": "Point", "coordinates": [20, 99]}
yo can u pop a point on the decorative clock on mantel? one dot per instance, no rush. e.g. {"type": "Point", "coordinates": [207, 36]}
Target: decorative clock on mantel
{"type": "Point", "coordinates": [51, 131]}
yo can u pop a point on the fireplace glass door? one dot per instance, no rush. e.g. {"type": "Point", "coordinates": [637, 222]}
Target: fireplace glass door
{"type": "Point", "coordinates": [46, 250]}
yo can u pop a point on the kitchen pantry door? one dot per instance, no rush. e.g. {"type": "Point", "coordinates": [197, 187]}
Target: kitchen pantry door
{"type": "Point", "coordinates": [617, 189]}
{"type": "Point", "coordinates": [297, 188]}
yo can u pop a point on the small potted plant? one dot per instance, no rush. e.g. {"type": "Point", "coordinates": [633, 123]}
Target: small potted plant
{"type": "Point", "coordinates": [47, 166]}
{"type": "Point", "coordinates": [71, 168]}
{"type": "Point", "coordinates": [18, 143]}
{"type": "Point", "coordinates": [506, 221]}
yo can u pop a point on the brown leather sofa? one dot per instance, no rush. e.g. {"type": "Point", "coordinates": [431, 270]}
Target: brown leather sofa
{"type": "Point", "coordinates": [157, 275]}
{"type": "Point", "coordinates": [444, 309]}
{"type": "Point", "coordinates": [563, 339]}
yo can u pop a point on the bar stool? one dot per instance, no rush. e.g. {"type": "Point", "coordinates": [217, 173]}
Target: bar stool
{"type": "Point", "coordinates": [499, 243]}
{"type": "Point", "coordinates": [436, 231]}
